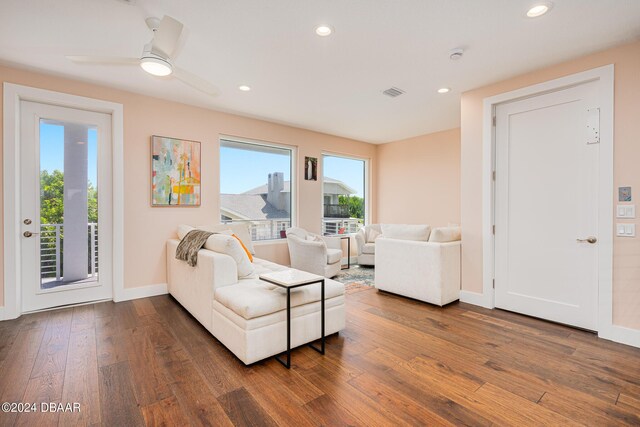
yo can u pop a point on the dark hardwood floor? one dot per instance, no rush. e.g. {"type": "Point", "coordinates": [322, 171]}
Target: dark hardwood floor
{"type": "Point", "coordinates": [398, 362]}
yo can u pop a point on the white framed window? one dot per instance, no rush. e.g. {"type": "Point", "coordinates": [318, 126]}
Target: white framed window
{"type": "Point", "coordinates": [257, 186]}
{"type": "Point", "coordinates": [345, 185]}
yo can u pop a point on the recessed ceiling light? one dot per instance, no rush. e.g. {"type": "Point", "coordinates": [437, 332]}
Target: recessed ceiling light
{"type": "Point", "coordinates": [538, 9]}
{"type": "Point", "coordinates": [323, 30]}
{"type": "Point", "coordinates": [244, 88]}
{"type": "Point", "coordinates": [443, 90]}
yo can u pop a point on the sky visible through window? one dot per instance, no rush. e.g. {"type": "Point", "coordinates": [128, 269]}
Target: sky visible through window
{"type": "Point", "coordinates": [52, 150]}
{"type": "Point", "coordinates": [243, 170]}
{"type": "Point", "coordinates": [349, 171]}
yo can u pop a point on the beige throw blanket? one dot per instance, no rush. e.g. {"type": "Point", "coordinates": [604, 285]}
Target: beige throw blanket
{"type": "Point", "coordinates": [190, 245]}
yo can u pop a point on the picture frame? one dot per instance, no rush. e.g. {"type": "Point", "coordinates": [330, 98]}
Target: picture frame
{"type": "Point", "coordinates": [310, 168]}
{"type": "Point", "coordinates": [175, 172]}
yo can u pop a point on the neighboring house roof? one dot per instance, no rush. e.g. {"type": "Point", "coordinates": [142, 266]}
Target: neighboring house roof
{"type": "Point", "coordinates": [262, 189]}
{"type": "Point", "coordinates": [250, 206]}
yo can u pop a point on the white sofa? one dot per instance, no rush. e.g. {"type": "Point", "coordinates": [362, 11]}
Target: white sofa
{"type": "Point", "coordinates": [365, 241]}
{"type": "Point", "coordinates": [248, 315]}
{"type": "Point", "coordinates": [424, 270]}
{"type": "Point", "coordinates": [316, 254]}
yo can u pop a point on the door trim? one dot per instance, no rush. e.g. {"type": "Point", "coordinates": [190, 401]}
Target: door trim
{"type": "Point", "coordinates": [605, 78]}
{"type": "Point", "coordinates": [12, 95]}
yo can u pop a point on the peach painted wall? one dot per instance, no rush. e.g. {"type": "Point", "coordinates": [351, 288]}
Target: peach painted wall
{"type": "Point", "coordinates": [146, 228]}
{"type": "Point", "coordinates": [626, 251]}
{"type": "Point", "coordinates": [419, 180]}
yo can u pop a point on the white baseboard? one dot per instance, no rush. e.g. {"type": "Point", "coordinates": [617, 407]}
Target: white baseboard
{"type": "Point", "coordinates": [140, 292]}
{"type": "Point", "coordinates": [476, 299]}
{"type": "Point", "coordinates": [622, 335]}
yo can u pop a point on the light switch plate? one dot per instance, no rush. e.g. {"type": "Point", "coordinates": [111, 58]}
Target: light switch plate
{"type": "Point", "coordinates": [626, 211]}
{"type": "Point", "coordinates": [626, 230]}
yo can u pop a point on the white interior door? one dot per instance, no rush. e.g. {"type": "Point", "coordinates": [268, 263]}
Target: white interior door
{"type": "Point", "coordinates": [65, 206]}
{"type": "Point", "coordinates": [546, 206]}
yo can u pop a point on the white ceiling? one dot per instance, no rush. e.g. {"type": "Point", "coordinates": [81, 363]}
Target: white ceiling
{"type": "Point", "coordinates": [330, 84]}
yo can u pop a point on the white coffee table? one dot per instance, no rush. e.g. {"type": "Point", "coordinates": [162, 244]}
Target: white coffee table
{"type": "Point", "coordinates": [291, 279]}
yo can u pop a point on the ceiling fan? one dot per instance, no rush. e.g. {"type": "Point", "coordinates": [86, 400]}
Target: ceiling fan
{"type": "Point", "coordinates": [157, 55]}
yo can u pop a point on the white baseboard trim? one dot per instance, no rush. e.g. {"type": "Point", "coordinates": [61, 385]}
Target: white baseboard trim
{"type": "Point", "coordinates": [475, 299]}
{"type": "Point", "coordinates": [127, 294]}
{"type": "Point", "coordinates": [622, 335]}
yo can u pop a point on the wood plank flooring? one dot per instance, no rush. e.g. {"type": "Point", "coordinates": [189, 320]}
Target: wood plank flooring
{"type": "Point", "coordinates": [398, 362]}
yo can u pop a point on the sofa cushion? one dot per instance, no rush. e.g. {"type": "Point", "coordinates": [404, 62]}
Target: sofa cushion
{"type": "Point", "coordinates": [333, 256]}
{"type": "Point", "coordinates": [240, 229]}
{"type": "Point", "coordinates": [445, 234]}
{"type": "Point", "coordinates": [369, 248]}
{"type": "Point", "coordinates": [253, 298]}
{"type": "Point", "coordinates": [231, 246]}
{"type": "Point", "coordinates": [183, 229]}
{"type": "Point", "coordinates": [261, 266]}
{"type": "Point", "coordinates": [406, 232]}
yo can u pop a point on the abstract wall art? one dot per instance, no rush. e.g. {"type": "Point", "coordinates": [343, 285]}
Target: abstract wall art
{"type": "Point", "coordinates": [175, 172]}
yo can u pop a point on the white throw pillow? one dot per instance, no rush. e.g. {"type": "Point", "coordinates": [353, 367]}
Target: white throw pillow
{"type": "Point", "coordinates": [183, 229]}
{"type": "Point", "coordinates": [372, 235]}
{"type": "Point", "coordinates": [240, 229]}
{"type": "Point", "coordinates": [229, 245]}
{"type": "Point", "coordinates": [406, 232]}
{"type": "Point", "coordinates": [445, 234]}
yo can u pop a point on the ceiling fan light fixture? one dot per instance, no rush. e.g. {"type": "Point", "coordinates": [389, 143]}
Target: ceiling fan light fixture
{"type": "Point", "coordinates": [156, 66]}
{"type": "Point", "coordinates": [539, 9]}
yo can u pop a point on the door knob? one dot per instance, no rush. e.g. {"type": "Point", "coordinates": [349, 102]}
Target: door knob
{"type": "Point", "coordinates": [28, 234]}
{"type": "Point", "coordinates": [590, 239]}
{"type": "Point", "coordinates": [27, 221]}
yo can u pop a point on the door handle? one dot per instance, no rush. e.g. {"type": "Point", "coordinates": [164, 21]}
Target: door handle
{"type": "Point", "coordinates": [28, 234]}
{"type": "Point", "coordinates": [590, 239]}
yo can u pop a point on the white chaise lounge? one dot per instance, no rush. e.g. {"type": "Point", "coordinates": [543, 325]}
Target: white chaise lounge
{"type": "Point", "coordinates": [248, 315]}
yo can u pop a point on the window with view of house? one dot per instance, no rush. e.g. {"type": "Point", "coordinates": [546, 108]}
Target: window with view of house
{"type": "Point", "coordinates": [344, 192]}
{"type": "Point", "coordinates": [255, 187]}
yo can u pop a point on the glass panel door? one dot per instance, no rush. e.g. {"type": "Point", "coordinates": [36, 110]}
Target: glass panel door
{"type": "Point", "coordinates": [65, 176]}
{"type": "Point", "coordinates": [68, 203]}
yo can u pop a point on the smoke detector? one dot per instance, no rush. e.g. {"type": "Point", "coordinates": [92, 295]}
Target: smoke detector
{"type": "Point", "coordinates": [456, 54]}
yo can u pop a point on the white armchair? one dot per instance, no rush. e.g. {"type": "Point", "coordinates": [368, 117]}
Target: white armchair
{"type": "Point", "coordinates": [365, 241]}
{"type": "Point", "coordinates": [313, 253]}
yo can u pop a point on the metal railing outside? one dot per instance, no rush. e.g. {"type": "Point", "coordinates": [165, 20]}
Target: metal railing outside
{"type": "Point", "coordinates": [51, 251]}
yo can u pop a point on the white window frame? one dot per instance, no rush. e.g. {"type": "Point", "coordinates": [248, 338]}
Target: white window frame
{"type": "Point", "coordinates": [367, 186]}
{"type": "Point", "coordinates": [293, 177]}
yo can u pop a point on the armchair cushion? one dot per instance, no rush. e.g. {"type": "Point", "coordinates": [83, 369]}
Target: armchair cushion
{"type": "Point", "coordinates": [333, 256]}
{"type": "Point", "coordinates": [372, 235]}
{"type": "Point", "coordinates": [369, 248]}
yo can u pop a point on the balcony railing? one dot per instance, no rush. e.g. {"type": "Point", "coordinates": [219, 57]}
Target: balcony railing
{"type": "Point", "coordinates": [336, 211]}
{"type": "Point", "coordinates": [51, 251]}
{"type": "Point", "coordinates": [274, 228]}
{"type": "Point", "coordinates": [341, 226]}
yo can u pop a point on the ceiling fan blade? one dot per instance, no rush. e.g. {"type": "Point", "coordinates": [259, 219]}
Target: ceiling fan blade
{"type": "Point", "coordinates": [167, 35]}
{"type": "Point", "coordinates": [195, 82]}
{"type": "Point", "coordinates": [105, 60]}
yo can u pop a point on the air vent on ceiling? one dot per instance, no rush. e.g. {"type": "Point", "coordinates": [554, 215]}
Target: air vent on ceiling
{"type": "Point", "coordinates": [393, 92]}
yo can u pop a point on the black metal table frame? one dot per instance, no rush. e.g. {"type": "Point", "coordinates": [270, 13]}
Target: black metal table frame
{"type": "Point", "coordinates": [322, 337]}
{"type": "Point", "coordinates": [348, 252]}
